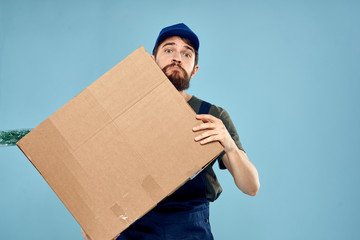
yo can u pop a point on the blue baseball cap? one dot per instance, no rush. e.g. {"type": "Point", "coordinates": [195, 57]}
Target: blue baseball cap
{"type": "Point", "coordinates": [180, 30]}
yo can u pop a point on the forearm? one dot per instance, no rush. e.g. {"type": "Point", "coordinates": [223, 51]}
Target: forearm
{"type": "Point", "coordinates": [243, 171]}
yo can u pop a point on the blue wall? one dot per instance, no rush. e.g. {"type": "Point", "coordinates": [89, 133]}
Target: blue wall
{"type": "Point", "coordinates": [287, 72]}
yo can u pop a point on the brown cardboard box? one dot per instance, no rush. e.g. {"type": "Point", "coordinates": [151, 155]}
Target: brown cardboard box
{"type": "Point", "coordinates": [119, 147]}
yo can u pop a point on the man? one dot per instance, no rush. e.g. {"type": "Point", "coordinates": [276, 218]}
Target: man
{"type": "Point", "coordinates": [185, 213]}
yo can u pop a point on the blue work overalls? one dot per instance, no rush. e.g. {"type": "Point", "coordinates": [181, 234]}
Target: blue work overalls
{"type": "Point", "coordinates": [182, 215]}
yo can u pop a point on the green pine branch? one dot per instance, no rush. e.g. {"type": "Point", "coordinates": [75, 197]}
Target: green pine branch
{"type": "Point", "coordinates": [11, 137]}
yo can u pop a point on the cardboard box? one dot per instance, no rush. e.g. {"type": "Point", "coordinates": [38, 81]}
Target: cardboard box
{"type": "Point", "coordinates": [119, 147]}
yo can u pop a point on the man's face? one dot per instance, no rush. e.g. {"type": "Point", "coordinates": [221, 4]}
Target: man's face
{"type": "Point", "coordinates": [177, 60]}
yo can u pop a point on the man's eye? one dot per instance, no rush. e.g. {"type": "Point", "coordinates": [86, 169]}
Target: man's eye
{"type": "Point", "coordinates": [187, 55]}
{"type": "Point", "coordinates": [168, 51]}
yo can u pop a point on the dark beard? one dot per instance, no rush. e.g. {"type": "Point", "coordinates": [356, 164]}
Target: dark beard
{"type": "Point", "coordinates": [180, 82]}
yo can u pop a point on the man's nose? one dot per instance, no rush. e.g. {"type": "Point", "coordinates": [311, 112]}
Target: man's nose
{"type": "Point", "coordinates": [177, 57]}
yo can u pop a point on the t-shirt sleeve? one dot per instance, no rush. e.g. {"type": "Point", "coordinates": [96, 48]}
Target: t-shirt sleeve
{"type": "Point", "coordinates": [225, 118]}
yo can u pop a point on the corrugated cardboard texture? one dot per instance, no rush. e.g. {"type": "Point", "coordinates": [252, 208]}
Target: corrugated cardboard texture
{"type": "Point", "coordinates": [119, 147]}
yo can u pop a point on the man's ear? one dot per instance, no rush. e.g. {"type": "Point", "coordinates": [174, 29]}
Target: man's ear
{"type": "Point", "coordinates": [153, 57]}
{"type": "Point", "coordinates": [196, 68]}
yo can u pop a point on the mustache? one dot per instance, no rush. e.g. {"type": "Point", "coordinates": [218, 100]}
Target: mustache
{"type": "Point", "coordinates": [173, 65]}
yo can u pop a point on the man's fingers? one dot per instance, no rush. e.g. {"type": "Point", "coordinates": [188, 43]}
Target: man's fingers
{"type": "Point", "coordinates": [215, 130]}
{"type": "Point", "coordinates": [205, 135]}
{"type": "Point", "coordinates": [211, 138]}
{"type": "Point", "coordinates": [203, 126]}
{"type": "Point", "coordinates": [206, 117]}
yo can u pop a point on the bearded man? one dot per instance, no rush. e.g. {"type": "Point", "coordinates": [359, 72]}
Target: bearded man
{"type": "Point", "coordinates": [185, 213]}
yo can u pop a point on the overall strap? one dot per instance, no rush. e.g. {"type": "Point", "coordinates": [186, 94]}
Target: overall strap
{"type": "Point", "coordinates": [204, 107]}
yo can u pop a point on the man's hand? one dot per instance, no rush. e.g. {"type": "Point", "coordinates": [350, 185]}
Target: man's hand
{"type": "Point", "coordinates": [216, 131]}
{"type": "Point", "coordinates": [235, 160]}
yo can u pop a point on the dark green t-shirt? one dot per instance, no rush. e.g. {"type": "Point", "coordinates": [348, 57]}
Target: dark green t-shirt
{"type": "Point", "coordinates": [213, 187]}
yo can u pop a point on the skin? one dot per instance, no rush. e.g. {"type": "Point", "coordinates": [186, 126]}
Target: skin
{"type": "Point", "coordinates": [245, 175]}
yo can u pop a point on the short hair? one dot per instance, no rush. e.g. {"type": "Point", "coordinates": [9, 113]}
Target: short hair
{"type": "Point", "coordinates": [187, 41]}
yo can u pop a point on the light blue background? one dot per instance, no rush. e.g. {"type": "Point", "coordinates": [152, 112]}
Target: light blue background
{"type": "Point", "coordinates": [286, 71]}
